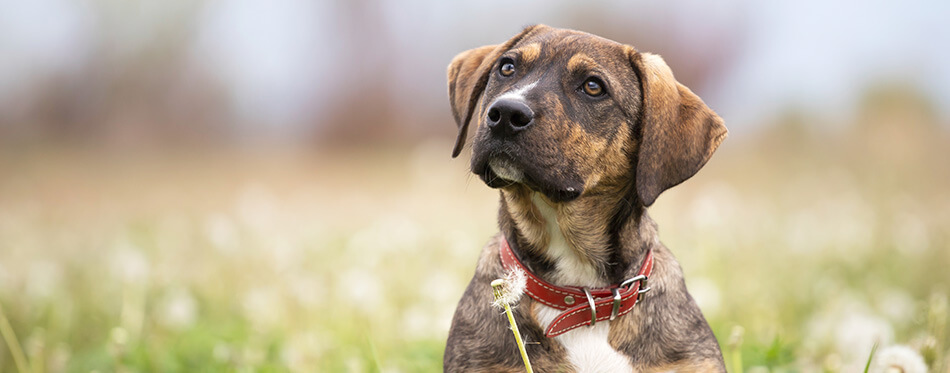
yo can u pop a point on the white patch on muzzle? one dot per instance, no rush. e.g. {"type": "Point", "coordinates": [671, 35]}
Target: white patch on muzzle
{"type": "Point", "coordinates": [505, 170]}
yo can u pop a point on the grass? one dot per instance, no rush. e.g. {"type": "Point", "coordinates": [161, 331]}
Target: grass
{"type": "Point", "coordinates": [814, 245]}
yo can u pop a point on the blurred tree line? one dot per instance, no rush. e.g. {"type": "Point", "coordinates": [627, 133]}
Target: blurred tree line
{"type": "Point", "coordinates": [372, 72]}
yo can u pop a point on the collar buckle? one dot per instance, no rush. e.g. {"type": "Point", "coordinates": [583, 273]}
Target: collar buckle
{"type": "Point", "coordinates": [641, 287]}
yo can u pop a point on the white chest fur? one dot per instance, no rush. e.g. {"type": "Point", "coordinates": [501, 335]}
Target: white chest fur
{"type": "Point", "coordinates": [587, 348]}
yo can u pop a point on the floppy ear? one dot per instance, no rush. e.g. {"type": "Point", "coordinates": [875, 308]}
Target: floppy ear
{"type": "Point", "coordinates": [679, 133]}
{"type": "Point", "coordinates": [468, 75]}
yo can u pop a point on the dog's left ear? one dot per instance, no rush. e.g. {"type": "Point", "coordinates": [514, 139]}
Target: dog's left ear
{"type": "Point", "coordinates": [679, 133]}
{"type": "Point", "coordinates": [468, 75]}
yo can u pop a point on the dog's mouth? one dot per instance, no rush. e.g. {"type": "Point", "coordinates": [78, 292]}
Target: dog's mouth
{"type": "Point", "coordinates": [501, 172]}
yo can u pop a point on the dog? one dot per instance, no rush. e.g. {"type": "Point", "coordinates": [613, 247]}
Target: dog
{"type": "Point", "coordinates": [580, 134]}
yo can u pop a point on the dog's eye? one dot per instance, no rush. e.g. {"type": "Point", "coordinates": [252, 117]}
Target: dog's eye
{"type": "Point", "coordinates": [593, 87]}
{"type": "Point", "coordinates": [507, 67]}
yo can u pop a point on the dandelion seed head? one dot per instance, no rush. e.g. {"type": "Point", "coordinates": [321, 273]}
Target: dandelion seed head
{"type": "Point", "coordinates": [512, 287]}
{"type": "Point", "coordinates": [901, 359]}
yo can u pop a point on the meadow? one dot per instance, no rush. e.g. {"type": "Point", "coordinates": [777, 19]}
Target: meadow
{"type": "Point", "coordinates": [803, 247]}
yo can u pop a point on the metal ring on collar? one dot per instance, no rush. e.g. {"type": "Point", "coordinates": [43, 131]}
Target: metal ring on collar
{"type": "Point", "coordinates": [593, 308]}
{"type": "Point", "coordinates": [613, 313]}
{"type": "Point", "coordinates": [630, 281]}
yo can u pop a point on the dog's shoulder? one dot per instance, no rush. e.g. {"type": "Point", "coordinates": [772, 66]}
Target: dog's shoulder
{"type": "Point", "coordinates": [688, 343]}
{"type": "Point", "coordinates": [480, 336]}
{"type": "Point", "coordinates": [473, 339]}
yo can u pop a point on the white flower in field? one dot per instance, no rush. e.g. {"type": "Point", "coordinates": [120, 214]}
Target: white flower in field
{"type": "Point", "coordinates": [130, 264]}
{"type": "Point", "coordinates": [856, 334]}
{"type": "Point", "coordinates": [898, 359]}
{"type": "Point", "coordinates": [850, 329]}
{"type": "Point", "coordinates": [179, 309]}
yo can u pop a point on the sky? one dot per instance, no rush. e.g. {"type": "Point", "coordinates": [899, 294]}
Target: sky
{"type": "Point", "coordinates": [283, 61]}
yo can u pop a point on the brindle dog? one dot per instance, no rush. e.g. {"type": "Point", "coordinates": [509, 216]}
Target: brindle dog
{"type": "Point", "coordinates": [580, 134]}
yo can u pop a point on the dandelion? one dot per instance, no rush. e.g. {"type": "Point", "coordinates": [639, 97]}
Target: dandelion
{"type": "Point", "coordinates": [512, 287]}
{"type": "Point", "coordinates": [508, 291]}
{"type": "Point", "coordinates": [899, 359]}
{"type": "Point", "coordinates": [854, 335]}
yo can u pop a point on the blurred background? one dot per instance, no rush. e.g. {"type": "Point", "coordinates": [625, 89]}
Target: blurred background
{"type": "Point", "coordinates": [247, 185]}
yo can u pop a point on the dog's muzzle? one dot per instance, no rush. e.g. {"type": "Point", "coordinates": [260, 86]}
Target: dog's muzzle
{"type": "Point", "coordinates": [502, 159]}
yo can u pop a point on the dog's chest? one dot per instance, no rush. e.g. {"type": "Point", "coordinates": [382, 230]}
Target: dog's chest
{"type": "Point", "coordinates": [588, 348]}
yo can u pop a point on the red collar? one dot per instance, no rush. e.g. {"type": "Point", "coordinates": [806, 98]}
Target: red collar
{"type": "Point", "coordinates": [577, 302]}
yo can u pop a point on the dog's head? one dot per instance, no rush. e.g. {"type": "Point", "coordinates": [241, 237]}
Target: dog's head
{"type": "Point", "coordinates": [564, 112]}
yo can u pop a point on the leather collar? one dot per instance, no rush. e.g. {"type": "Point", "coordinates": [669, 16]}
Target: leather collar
{"type": "Point", "coordinates": [577, 302]}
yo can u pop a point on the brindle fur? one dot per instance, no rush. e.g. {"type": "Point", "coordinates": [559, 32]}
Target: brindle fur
{"type": "Point", "coordinates": [620, 152]}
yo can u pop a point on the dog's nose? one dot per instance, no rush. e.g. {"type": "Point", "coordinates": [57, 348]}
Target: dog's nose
{"type": "Point", "coordinates": [507, 117]}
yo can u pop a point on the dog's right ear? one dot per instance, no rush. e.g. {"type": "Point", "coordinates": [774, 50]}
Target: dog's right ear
{"type": "Point", "coordinates": [468, 75]}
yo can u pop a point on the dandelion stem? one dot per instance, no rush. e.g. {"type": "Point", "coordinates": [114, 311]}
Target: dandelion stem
{"type": "Point", "coordinates": [498, 290]}
{"type": "Point", "coordinates": [22, 365]}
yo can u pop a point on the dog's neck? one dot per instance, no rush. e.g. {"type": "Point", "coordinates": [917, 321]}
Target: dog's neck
{"type": "Point", "coordinates": [593, 241]}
